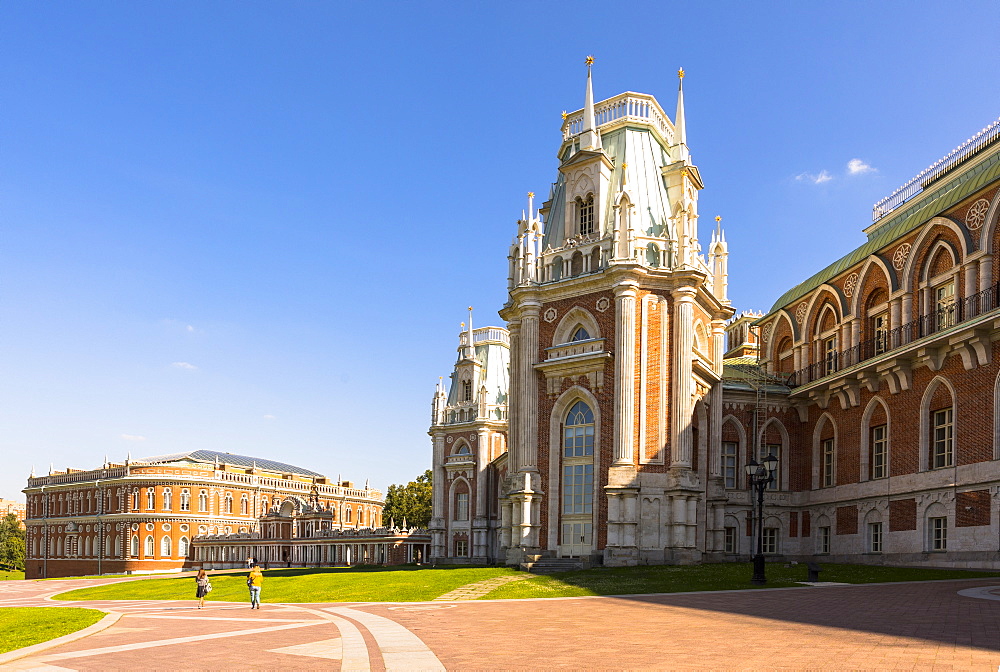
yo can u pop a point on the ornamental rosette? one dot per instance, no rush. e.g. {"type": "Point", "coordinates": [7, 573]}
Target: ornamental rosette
{"type": "Point", "coordinates": [800, 312]}
{"type": "Point", "coordinates": [850, 284]}
{"type": "Point", "coordinates": [976, 216]}
{"type": "Point", "coordinates": [900, 256]}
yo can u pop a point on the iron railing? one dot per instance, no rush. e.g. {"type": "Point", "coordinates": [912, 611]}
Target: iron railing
{"type": "Point", "coordinates": [940, 319]}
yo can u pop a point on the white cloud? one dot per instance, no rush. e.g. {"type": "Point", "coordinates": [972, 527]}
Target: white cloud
{"type": "Point", "coordinates": [270, 417]}
{"type": "Point", "coordinates": [133, 437]}
{"type": "Point", "coordinates": [859, 167]}
{"type": "Point", "coordinates": [190, 329]}
{"type": "Point", "coordinates": [184, 365]}
{"type": "Point", "coordinates": [815, 179]}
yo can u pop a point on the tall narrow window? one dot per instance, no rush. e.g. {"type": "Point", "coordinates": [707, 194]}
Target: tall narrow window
{"type": "Point", "coordinates": [461, 548]}
{"type": "Point", "coordinates": [578, 488]}
{"type": "Point", "coordinates": [134, 550]}
{"type": "Point", "coordinates": [730, 540]}
{"type": "Point", "coordinates": [880, 332]}
{"type": "Point", "coordinates": [944, 305]}
{"type": "Point", "coordinates": [462, 506]}
{"type": "Point", "coordinates": [874, 537]}
{"type": "Point", "coordinates": [729, 449]}
{"type": "Point", "coordinates": [167, 499]}
{"type": "Point", "coordinates": [150, 499]}
{"type": "Point", "coordinates": [770, 540]}
{"type": "Point", "coordinates": [244, 505]}
{"type": "Point", "coordinates": [165, 547]}
{"type": "Point", "coordinates": [577, 481]}
{"type": "Point", "coordinates": [824, 540]}
{"type": "Point", "coordinates": [880, 452]}
{"type": "Point", "coordinates": [185, 500]}
{"type": "Point", "coordinates": [830, 354]}
{"type": "Point", "coordinates": [943, 454]}
{"type": "Point", "coordinates": [182, 547]}
{"type": "Point", "coordinates": [150, 546]}
{"type": "Point", "coordinates": [229, 503]}
{"type": "Point", "coordinates": [828, 463]}
{"type": "Point", "coordinates": [203, 500]}
{"type": "Point", "coordinates": [585, 209]}
{"type": "Point", "coordinates": [466, 390]}
{"type": "Point", "coordinates": [938, 533]}
{"type": "Point", "coordinates": [578, 433]}
{"type": "Point", "coordinates": [773, 449]}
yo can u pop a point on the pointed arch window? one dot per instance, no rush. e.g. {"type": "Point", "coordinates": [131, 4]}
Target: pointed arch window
{"type": "Point", "coordinates": [203, 500]}
{"type": "Point", "coordinates": [578, 432]}
{"type": "Point", "coordinates": [580, 334]}
{"type": "Point", "coordinates": [165, 546]}
{"type": "Point", "coordinates": [585, 214]}
{"type": "Point", "coordinates": [135, 547]}
{"type": "Point", "coordinates": [150, 546]}
{"type": "Point", "coordinates": [167, 499]}
{"type": "Point", "coordinates": [185, 500]}
{"type": "Point", "coordinates": [466, 390]}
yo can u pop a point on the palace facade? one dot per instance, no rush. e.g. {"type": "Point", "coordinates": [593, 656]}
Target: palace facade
{"type": "Point", "coordinates": [149, 515]}
{"type": "Point", "coordinates": [635, 395]}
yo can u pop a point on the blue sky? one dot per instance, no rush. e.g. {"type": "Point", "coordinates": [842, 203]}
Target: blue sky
{"type": "Point", "coordinates": [254, 227]}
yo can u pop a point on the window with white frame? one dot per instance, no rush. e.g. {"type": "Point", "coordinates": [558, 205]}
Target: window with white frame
{"type": "Point", "coordinates": [770, 540]}
{"type": "Point", "coordinates": [944, 305]}
{"type": "Point", "coordinates": [134, 550]}
{"type": "Point", "coordinates": [729, 454]}
{"type": "Point", "coordinates": [203, 500]}
{"type": "Point", "coordinates": [937, 533]}
{"type": "Point", "coordinates": [165, 546]}
{"type": "Point", "coordinates": [875, 537]}
{"type": "Point", "coordinates": [577, 480]}
{"type": "Point", "coordinates": [244, 505]}
{"type": "Point", "coordinates": [580, 334]}
{"type": "Point", "coordinates": [466, 390]}
{"type": "Point", "coordinates": [730, 540]}
{"type": "Point", "coordinates": [183, 547]}
{"type": "Point", "coordinates": [461, 548]}
{"type": "Point", "coordinates": [229, 502]}
{"type": "Point", "coordinates": [150, 499]}
{"type": "Point", "coordinates": [880, 332]}
{"type": "Point", "coordinates": [773, 449]}
{"type": "Point", "coordinates": [943, 453]}
{"type": "Point", "coordinates": [185, 500]}
{"type": "Point", "coordinates": [879, 452]}
{"type": "Point", "coordinates": [168, 499]}
{"type": "Point", "coordinates": [830, 354]}
{"type": "Point", "coordinates": [578, 488]}
{"type": "Point", "coordinates": [150, 546]}
{"type": "Point", "coordinates": [828, 463]}
{"type": "Point", "coordinates": [462, 506]}
{"type": "Point", "coordinates": [824, 539]}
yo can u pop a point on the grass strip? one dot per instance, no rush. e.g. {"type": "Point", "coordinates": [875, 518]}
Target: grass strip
{"type": "Point", "coordinates": [11, 575]}
{"type": "Point", "coordinates": [25, 626]}
{"type": "Point", "coordinates": [371, 584]}
{"type": "Point", "coordinates": [723, 576]}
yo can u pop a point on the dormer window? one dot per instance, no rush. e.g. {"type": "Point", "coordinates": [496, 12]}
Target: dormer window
{"type": "Point", "coordinates": [579, 335]}
{"type": "Point", "coordinates": [466, 390]}
{"type": "Point", "coordinates": [585, 218]}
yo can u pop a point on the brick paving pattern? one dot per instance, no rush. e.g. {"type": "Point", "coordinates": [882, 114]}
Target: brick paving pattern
{"type": "Point", "coordinates": [473, 591]}
{"type": "Point", "coordinates": [912, 626]}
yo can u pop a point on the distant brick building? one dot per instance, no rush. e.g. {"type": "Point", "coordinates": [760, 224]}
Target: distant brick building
{"type": "Point", "coordinates": [627, 420]}
{"type": "Point", "coordinates": [9, 506]}
{"type": "Point", "coordinates": [143, 516]}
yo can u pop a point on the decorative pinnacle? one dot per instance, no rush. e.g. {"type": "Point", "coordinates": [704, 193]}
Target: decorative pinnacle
{"type": "Point", "coordinates": [565, 114]}
{"type": "Point", "coordinates": [718, 218]}
{"type": "Point", "coordinates": [531, 194]}
{"type": "Point", "coordinates": [680, 74]}
{"type": "Point", "coordinates": [462, 325]}
{"type": "Point", "coordinates": [589, 61]}
{"type": "Point", "coordinates": [470, 307]}
{"type": "Point", "coordinates": [624, 166]}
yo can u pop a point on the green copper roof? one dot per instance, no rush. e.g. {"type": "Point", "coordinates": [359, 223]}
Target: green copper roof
{"type": "Point", "coordinates": [935, 200]}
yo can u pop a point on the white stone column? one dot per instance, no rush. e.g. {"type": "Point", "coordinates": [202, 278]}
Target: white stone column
{"type": "Point", "coordinates": [971, 285]}
{"type": "Point", "coordinates": [680, 521]}
{"type": "Point", "coordinates": [664, 363]}
{"type": "Point", "coordinates": [985, 272]}
{"type": "Point", "coordinates": [624, 427]}
{"type": "Point", "coordinates": [681, 383]}
{"type": "Point", "coordinates": [527, 394]}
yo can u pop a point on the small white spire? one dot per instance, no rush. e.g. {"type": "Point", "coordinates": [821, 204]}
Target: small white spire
{"type": "Point", "coordinates": [471, 352]}
{"type": "Point", "coordinates": [589, 137]}
{"type": "Point", "coordinates": [680, 128]}
{"type": "Point", "coordinates": [32, 475]}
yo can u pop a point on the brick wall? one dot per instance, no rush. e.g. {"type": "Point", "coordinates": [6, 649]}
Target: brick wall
{"type": "Point", "coordinates": [902, 515]}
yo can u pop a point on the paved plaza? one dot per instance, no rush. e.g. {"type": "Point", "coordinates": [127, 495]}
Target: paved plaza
{"type": "Point", "coordinates": [943, 625]}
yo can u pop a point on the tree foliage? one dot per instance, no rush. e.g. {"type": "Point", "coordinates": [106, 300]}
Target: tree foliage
{"type": "Point", "coordinates": [411, 502]}
{"type": "Point", "coordinates": [12, 545]}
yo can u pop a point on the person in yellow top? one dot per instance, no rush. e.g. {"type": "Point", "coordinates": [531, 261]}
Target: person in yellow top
{"type": "Point", "coordinates": [254, 581]}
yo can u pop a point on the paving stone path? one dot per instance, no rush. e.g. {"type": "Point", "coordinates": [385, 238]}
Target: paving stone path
{"type": "Point", "coordinates": [473, 591]}
{"type": "Point", "coordinates": [941, 625]}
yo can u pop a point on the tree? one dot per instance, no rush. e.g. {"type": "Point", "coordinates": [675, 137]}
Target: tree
{"type": "Point", "coordinates": [411, 502]}
{"type": "Point", "coordinates": [12, 545]}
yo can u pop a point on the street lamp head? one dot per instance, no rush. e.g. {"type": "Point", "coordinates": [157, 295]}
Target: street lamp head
{"type": "Point", "coordinates": [751, 467]}
{"type": "Point", "coordinates": [771, 462]}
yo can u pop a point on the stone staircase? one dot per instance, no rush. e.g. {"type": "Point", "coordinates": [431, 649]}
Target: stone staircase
{"type": "Point", "coordinates": [540, 564]}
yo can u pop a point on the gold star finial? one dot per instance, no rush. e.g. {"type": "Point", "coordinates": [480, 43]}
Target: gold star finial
{"type": "Point", "coordinates": [531, 194]}
{"type": "Point", "coordinates": [589, 61]}
{"type": "Point", "coordinates": [624, 166]}
{"type": "Point", "coordinates": [462, 325]}
{"type": "Point", "coordinates": [470, 308]}
{"type": "Point", "coordinates": [718, 218]}
{"type": "Point", "coordinates": [565, 114]}
{"type": "Point", "coordinates": [680, 74]}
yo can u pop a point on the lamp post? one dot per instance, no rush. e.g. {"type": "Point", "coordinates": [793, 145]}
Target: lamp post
{"type": "Point", "coordinates": [759, 476]}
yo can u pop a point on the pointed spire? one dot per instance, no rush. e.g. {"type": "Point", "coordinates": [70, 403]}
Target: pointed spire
{"type": "Point", "coordinates": [51, 468]}
{"type": "Point", "coordinates": [470, 346]}
{"type": "Point", "coordinates": [32, 472]}
{"type": "Point", "coordinates": [128, 457]}
{"type": "Point", "coordinates": [589, 137]}
{"type": "Point", "coordinates": [680, 129]}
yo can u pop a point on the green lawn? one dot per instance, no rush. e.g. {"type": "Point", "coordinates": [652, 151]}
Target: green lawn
{"type": "Point", "coordinates": [6, 575]}
{"type": "Point", "coordinates": [728, 576]}
{"type": "Point", "coordinates": [374, 584]}
{"type": "Point", "coordinates": [24, 626]}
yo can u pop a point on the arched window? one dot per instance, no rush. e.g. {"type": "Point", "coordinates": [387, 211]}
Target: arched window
{"type": "Point", "coordinates": [244, 505]}
{"type": "Point", "coordinates": [183, 547]}
{"type": "Point", "coordinates": [578, 433]}
{"type": "Point", "coordinates": [347, 514]}
{"type": "Point", "coordinates": [150, 546]}
{"type": "Point", "coordinates": [135, 500]}
{"type": "Point", "coordinates": [134, 551]}
{"type": "Point", "coordinates": [585, 215]}
{"type": "Point", "coordinates": [203, 500]}
{"type": "Point", "coordinates": [580, 334]}
{"type": "Point", "coordinates": [185, 500]}
{"type": "Point", "coordinates": [118, 546]}
{"type": "Point", "coordinates": [263, 506]}
{"type": "Point", "coordinates": [229, 502]}
{"type": "Point", "coordinates": [150, 499]}
{"type": "Point", "coordinates": [165, 546]}
{"type": "Point", "coordinates": [463, 449]}
{"type": "Point", "coordinates": [167, 499]}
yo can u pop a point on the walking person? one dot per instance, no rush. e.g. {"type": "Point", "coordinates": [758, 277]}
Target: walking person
{"type": "Point", "coordinates": [249, 562]}
{"type": "Point", "coordinates": [204, 587]}
{"type": "Point", "coordinates": [254, 581]}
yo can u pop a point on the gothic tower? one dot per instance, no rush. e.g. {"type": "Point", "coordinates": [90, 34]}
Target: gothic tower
{"type": "Point", "coordinates": [617, 325]}
{"type": "Point", "coordinates": [468, 430]}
